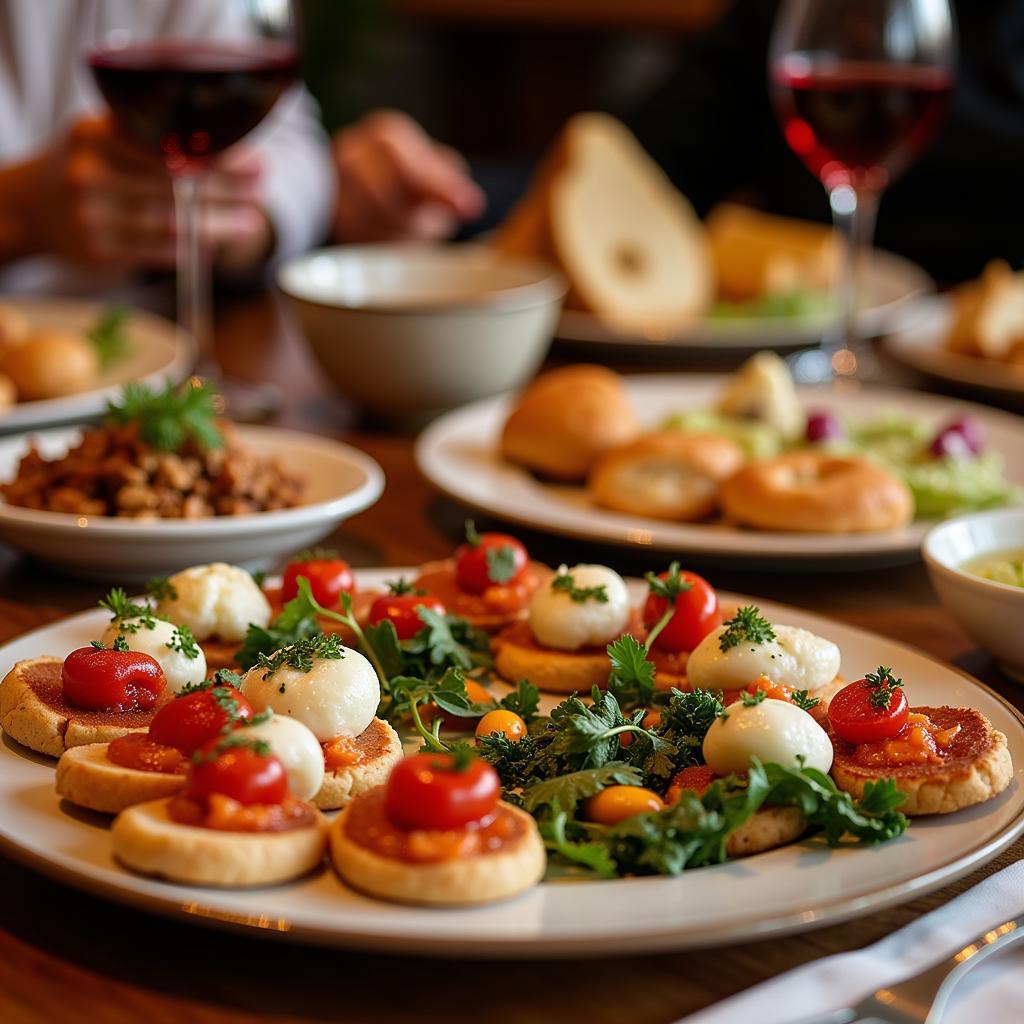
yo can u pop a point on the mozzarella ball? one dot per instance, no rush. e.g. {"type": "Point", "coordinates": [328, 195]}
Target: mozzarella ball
{"type": "Point", "coordinates": [773, 731]}
{"type": "Point", "coordinates": [216, 600]}
{"type": "Point", "coordinates": [796, 657]}
{"type": "Point", "coordinates": [297, 749]}
{"type": "Point", "coordinates": [179, 670]}
{"type": "Point", "coordinates": [51, 364]}
{"type": "Point", "coordinates": [337, 697]}
{"type": "Point", "coordinates": [558, 621]}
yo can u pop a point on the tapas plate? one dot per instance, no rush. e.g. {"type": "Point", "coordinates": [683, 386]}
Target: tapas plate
{"type": "Point", "coordinates": [459, 454]}
{"type": "Point", "coordinates": [159, 350]}
{"type": "Point", "coordinates": [340, 481]}
{"type": "Point", "coordinates": [790, 889]}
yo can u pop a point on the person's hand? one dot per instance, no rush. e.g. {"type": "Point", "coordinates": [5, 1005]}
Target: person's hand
{"type": "Point", "coordinates": [104, 202]}
{"type": "Point", "coordinates": [395, 183]}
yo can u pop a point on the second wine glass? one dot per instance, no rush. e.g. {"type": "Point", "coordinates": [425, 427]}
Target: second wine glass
{"type": "Point", "coordinates": [860, 88]}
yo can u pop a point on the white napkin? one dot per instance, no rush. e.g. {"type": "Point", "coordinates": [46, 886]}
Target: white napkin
{"type": "Point", "coordinates": [993, 992]}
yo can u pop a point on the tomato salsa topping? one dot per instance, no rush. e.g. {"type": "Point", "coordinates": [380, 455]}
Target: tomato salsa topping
{"type": "Point", "coordinates": [329, 576]}
{"type": "Point", "coordinates": [696, 613]}
{"type": "Point", "coordinates": [920, 741]}
{"type": "Point", "coordinates": [488, 559]}
{"type": "Point", "coordinates": [139, 752]}
{"type": "Point", "coordinates": [99, 679]}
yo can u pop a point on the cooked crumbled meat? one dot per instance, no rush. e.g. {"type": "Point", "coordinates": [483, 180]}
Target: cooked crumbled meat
{"type": "Point", "coordinates": [113, 472]}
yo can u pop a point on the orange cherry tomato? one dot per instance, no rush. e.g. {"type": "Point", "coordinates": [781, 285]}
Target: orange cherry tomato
{"type": "Point", "coordinates": [617, 803]}
{"type": "Point", "coordinates": [189, 721]}
{"type": "Point", "coordinates": [853, 717]}
{"type": "Point", "coordinates": [696, 614]}
{"type": "Point", "coordinates": [328, 578]}
{"type": "Point", "coordinates": [427, 791]}
{"type": "Point", "coordinates": [508, 723]}
{"type": "Point", "coordinates": [477, 694]}
{"type": "Point", "coordinates": [106, 680]}
{"type": "Point", "coordinates": [239, 773]}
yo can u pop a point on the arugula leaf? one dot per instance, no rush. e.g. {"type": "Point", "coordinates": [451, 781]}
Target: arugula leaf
{"type": "Point", "coordinates": [524, 701]}
{"type": "Point", "coordinates": [448, 692]}
{"type": "Point", "coordinates": [109, 337]}
{"type": "Point", "coordinates": [631, 680]}
{"type": "Point", "coordinates": [170, 417]}
{"type": "Point", "coordinates": [384, 640]}
{"type": "Point", "coordinates": [564, 792]}
{"type": "Point", "coordinates": [593, 856]}
{"type": "Point", "coordinates": [685, 721]}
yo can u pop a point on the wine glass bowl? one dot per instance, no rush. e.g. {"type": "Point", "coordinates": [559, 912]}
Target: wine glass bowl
{"type": "Point", "coordinates": [860, 88]}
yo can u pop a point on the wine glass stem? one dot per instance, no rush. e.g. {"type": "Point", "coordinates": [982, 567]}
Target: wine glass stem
{"type": "Point", "coordinates": [853, 214]}
{"type": "Point", "coordinates": [193, 276]}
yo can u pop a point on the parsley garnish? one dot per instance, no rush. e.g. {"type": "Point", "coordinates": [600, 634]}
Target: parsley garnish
{"type": "Point", "coordinates": [120, 644]}
{"type": "Point", "coordinates": [564, 581]}
{"type": "Point", "coordinates": [631, 680]}
{"type": "Point", "coordinates": [802, 700]}
{"type": "Point", "coordinates": [109, 337]}
{"type": "Point", "coordinates": [301, 654]}
{"type": "Point", "coordinates": [296, 622]}
{"type": "Point", "coordinates": [524, 700]}
{"type": "Point", "coordinates": [162, 589]}
{"type": "Point", "coordinates": [402, 586]}
{"type": "Point", "coordinates": [564, 792]}
{"type": "Point", "coordinates": [882, 686]}
{"type": "Point", "coordinates": [170, 417]}
{"type": "Point", "coordinates": [122, 608]}
{"type": "Point", "coordinates": [748, 625]}
{"type": "Point", "coordinates": [671, 586]}
{"type": "Point", "coordinates": [751, 700]}
{"type": "Point", "coordinates": [182, 640]}
{"type": "Point", "coordinates": [501, 563]}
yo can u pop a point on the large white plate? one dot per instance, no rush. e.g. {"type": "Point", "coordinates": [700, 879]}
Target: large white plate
{"type": "Point", "coordinates": [459, 454]}
{"type": "Point", "coordinates": [160, 349]}
{"type": "Point", "coordinates": [790, 889]}
{"type": "Point", "coordinates": [339, 482]}
{"type": "Point", "coordinates": [894, 284]}
{"type": "Point", "coordinates": [921, 346]}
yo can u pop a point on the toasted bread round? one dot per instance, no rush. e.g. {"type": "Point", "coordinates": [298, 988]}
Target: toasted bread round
{"type": "Point", "coordinates": [517, 655]}
{"type": "Point", "coordinates": [814, 492]}
{"type": "Point", "coordinates": [86, 777]}
{"type": "Point", "coordinates": [766, 829]}
{"type": "Point", "coordinates": [381, 748]}
{"type": "Point", "coordinates": [566, 418]}
{"type": "Point", "coordinates": [34, 713]}
{"type": "Point", "coordinates": [146, 839]}
{"type": "Point", "coordinates": [975, 767]}
{"type": "Point", "coordinates": [668, 475]}
{"type": "Point", "coordinates": [480, 610]}
{"type": "Point", "coordinates": [461, 881]}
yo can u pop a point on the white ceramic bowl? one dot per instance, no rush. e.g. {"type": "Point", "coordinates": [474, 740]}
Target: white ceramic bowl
{"type": "Point", "coordinates": [340, 481]}
{"type": "Point", "coordinates": [408, 331]}
{"type": "Point", "coordinates": [991, 613]}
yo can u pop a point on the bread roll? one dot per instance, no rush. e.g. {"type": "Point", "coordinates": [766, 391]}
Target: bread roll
{"type": "Point", "coordinates": [52, 363]}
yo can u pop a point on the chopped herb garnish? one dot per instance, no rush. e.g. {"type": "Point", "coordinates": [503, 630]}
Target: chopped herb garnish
{"type": "Point", "coordinates": [162, 589]}
{"type": "Point", "coordinates": [230, 741]}
{"type": "Point", "coordinates": [501, 563]}
{"type": "Point", "coordinates": [748, 625]}
{"type": "Point", "coordinates": [882, 685]}
{"type": "Point", "coordinates": [120, 644]}
{"type": "Point", "coordinates": [122, 608]}
{"type": "Point", "coordinates": [182, 640]}
{"type": "Point", "coordinates": [751, 700]}
{"type": "Point", "coordinates": [802, 700]}
{"type": "Point", "coordinates": [564, 582]}
{"type": "Point", "coordinates": [301, 654]}
{"type": "Point", "coordinates": [170, 417]}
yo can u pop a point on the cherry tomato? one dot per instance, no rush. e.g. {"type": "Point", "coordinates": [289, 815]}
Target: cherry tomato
{"type": "Point", "coordinates": [401, 610]}
{"type": "Point", "coordinates": [508, 723]}
{"type": "Point", "coordinates": [489, 560]}
{"type": "Point", "coordinates": [427, 791]}
{"type": "Point", "coordinates": [100, 679]}
{"type": "Point", "coordinates": [328, 577]}
{"type": "Point", "coordinates": [697, 614]}
{"type": "Point", "coordinates": [853, 718]}
{"type": "Point", "coordinates": [189, 721]}
{"type": "Point", "coordinates": [237, 772]}
{"type": "Point", "coordinates": [617, 803]}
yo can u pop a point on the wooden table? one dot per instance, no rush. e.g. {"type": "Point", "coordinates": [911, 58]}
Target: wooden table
{"type": "Point", "coordinates": [62, 952]}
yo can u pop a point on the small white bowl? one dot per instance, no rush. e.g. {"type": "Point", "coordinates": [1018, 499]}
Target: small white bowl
{"type": "Point", "coordinates": [408, 331]}
{"type": "Point", "coordinates": [340, 481]}
{"type": "Point", "coordinates": [991, 613]}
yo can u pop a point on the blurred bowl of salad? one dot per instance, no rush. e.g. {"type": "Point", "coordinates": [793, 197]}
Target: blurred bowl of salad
{"type": "Point", "coordinates": [976, 565]}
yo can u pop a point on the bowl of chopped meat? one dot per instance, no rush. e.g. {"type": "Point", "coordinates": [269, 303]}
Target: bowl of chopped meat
{"type": "Point", "coordinates": [164, 483]}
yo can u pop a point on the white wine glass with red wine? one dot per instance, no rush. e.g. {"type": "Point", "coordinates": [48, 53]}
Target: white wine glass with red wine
{"type": "Point", "coordinates": [860, 88]}
{"type": "Point", "coordinates": [186, 82]}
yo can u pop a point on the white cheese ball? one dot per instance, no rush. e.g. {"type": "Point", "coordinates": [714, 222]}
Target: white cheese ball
{"type": "Point", "coordinates": [297, 749]}
{"type": "Point", "coordinates": [796, 658]}
{"type": "Point", "coordinates": [337, 697]}
{"type": "Point", "coordinates": [558, 621]}
{"type": "Point", "coordinates": [773, 731]}
{"type": "Point", "coordinates": [179, 670]}
{"type": "Point", "coordinates": [216, 600]}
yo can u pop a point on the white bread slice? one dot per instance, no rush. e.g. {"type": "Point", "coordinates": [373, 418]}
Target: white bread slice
{"type": "Point", "coordinates": [86, 777]}
{"type": "Point", "coordinates": [383, 748]}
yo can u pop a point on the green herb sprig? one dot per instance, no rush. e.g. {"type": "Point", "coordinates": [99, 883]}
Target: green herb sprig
{"type": "Point", "coordinates": [563, 582]}
{"type": "Point", "coordinates": [882, 685]}
{"type": "Point", "coordinates": [748, 625]}
{"type": "Point", "coordinates": [169, 417]}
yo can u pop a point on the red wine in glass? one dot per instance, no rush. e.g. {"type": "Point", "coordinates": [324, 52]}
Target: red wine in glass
{"type": "Point", "coordinates": [189, 101]}
{"type": "Point", "coordinates": [858, 123]}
